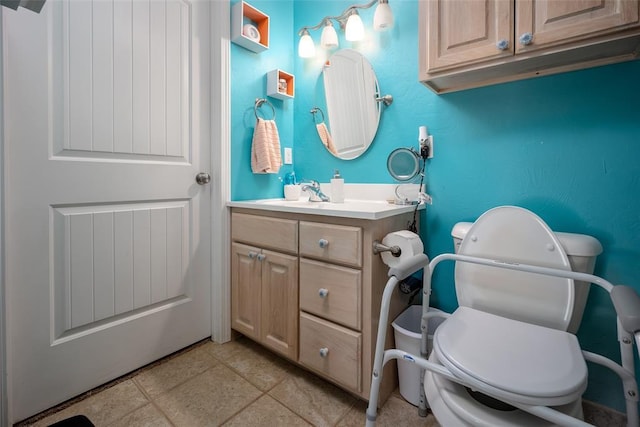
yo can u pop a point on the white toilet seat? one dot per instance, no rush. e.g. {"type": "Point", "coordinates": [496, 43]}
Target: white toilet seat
{"type": "Point", "coordinates": [453, 406]}
{"type": "Point", "coordinates": [485, 349]}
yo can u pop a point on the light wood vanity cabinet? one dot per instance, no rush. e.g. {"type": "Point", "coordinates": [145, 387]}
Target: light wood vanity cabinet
{"type": "Point", "coordinates": [467, 43]}
{"type": "Point", "coordinates": [339, 284]}
{"type": "Point", "coordinates": [264, 282]}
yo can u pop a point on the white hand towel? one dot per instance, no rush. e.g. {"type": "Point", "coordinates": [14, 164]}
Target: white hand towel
{"type": "Point", "coordinates": [265, 148]}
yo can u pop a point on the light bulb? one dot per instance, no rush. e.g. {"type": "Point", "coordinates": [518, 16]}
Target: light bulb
{"type": "Point", "coordinates": [355, 29]}
{"type": "Point", "coordinates": [329, 37]}
{"type": "Point", "coordinates": [383, 18]}
{"type": "Point", "coordinates": [306, 48]}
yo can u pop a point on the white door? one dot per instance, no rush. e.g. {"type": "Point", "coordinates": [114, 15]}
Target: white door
{"type": "Point", "coordinates": [107, 232]}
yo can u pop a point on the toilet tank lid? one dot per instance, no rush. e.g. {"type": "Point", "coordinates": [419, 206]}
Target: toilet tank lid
{"type": "Point", "coordinates": [460, 229]}
{"type": "Point", "coordinates": [572, 243]}
{"type": "Point", "coordinates": [579, 244]}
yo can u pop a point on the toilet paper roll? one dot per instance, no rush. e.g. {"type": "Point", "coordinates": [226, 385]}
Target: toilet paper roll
{"type": "Point", "coordinates": [409, 243]}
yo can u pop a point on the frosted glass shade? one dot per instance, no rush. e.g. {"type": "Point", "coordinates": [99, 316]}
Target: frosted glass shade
{"type": "Point", "coordinates": [329, 37]}
{"type": "Point", "coordinates": [355, 28]}
{"type": "Point", "coordinates": [306, 48]}
{"type": "Point", "coordinates": [383, 18]}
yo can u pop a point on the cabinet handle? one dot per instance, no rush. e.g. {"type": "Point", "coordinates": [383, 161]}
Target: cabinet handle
{"type": "Point", "coordinates": [323, 243]}
{"type": "Point", "coordinates": [323, 292]}
{"type": "Point", "coordinates": [324, 352]}
{"type": "Point", "coordinates": [261, 257]}
{"type": "Point", "coordinates": [526, 39]}
{"type": "Point", "coordinates": [502, 44]}
{"type": "Point", "coordinates": [252, 254]}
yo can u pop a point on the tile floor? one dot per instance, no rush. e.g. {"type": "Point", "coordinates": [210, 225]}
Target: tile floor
{"type": "Point", "coordinates": [238, 384]}
{"type": "Point", "coordinates": [233, 384]}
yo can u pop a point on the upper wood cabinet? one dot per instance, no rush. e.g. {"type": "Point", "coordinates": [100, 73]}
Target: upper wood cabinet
{"type": "Point", "coordinates": [470, 43]}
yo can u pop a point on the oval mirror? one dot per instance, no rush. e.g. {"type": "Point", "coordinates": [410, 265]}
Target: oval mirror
{"type": "Point", "coordinates": [347, 113]}
{"type": "Point", "coordinates": [403, 164]}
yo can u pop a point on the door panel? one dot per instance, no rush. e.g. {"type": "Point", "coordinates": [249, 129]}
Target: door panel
{"type": "Point", "coordinates": [108, 235]}
{"type": "Point", "coordinates": [557, 22]}
{"type": "Point", "coordinates": [279, 327]}
{"type": "Point", "coordinates": [468, 31]}
{"type": "Point", "coordinates": [246, 290]}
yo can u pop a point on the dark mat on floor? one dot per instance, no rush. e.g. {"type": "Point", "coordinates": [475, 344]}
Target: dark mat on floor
{"type": "Point", "coordinates": [77, 421]}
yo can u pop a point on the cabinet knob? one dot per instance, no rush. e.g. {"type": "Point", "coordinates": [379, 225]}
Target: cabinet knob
{"type": "Point", "coordinates": [323, 292]}
{"type": "Point", "coordinates": [323, 243]}
{"type": "Point", "coordinates": [526, 39]}
{"type": "Point", "coordinates": [261, 257]}
{"type": "Point", "coordinates": [252, 254]}
{"type": "Point", "coordinates": [502, 44]}
{"type": "Point", "coordinates": [324, 352]}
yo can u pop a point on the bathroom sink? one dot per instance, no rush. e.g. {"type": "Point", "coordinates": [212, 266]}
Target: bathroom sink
{"type": "Point", "coordinates": [351, 208]}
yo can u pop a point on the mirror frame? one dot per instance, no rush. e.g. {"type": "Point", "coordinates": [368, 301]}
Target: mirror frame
{"type": "Point", "coordinates": [352, 96]}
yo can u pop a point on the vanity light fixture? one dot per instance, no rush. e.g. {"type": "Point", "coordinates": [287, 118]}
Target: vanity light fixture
{"type": "Point", "coordinates": [329, 37]}
{"type": "Point", "coordinates": [306, 48]}
{"type": "Point", "coordinates": [354, 30]}
{"type": "Point", "coordinates": [350, 21]}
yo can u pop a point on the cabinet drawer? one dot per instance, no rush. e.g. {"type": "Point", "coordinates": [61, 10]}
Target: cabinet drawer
{"type": "Point", "coordinates": [330, 242]}
{"type": "Point", "coordinates": [331, 292]}
{"type": "Point", "coordinates": [332, 350]}
{"type": "Point", "coordinates": [265, 232]}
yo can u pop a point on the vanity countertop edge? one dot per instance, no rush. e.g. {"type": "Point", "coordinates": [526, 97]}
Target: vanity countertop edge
{"type": "Point", "coordinates": [360, 209]}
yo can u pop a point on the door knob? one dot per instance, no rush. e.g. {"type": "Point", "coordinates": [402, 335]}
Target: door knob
{"type": "Point", "coordinates": [203, 178]}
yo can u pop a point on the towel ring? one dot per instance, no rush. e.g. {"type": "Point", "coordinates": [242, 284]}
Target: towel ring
{"type": "Point", "coordinates": [314, 111]}
{"type": "Point", "coordinates": [259, 103]}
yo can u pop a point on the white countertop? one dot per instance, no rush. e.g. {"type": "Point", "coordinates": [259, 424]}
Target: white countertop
{"type": "Point", "coordinates": [362, 209]}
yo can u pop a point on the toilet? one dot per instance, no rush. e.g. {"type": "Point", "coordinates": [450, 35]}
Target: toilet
{"type": "Point", "coordinates": [494, 340]}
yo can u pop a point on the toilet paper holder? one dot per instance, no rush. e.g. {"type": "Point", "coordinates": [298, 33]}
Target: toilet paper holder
{"type": "Point", "coordinates": [379, 248]}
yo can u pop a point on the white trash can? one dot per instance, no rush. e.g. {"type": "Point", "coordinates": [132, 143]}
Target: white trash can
{"type": "Point", "coordinates": [407, 335]}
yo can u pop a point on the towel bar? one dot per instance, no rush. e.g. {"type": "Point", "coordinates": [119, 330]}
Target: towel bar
{"type": "Point", "coordinates": [259, 103]}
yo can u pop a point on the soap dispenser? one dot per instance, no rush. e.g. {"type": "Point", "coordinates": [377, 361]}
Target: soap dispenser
{"type": "Point", "coordinates": [337, 188]}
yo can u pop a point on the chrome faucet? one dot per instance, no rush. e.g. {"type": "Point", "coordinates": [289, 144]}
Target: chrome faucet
{"type": "Point", "coordinates": [315, 193]}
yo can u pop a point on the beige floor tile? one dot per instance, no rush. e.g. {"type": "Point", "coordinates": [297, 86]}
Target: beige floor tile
{"type": "Point", "coordinates": [317, 401]}
{"type": "Point", "coordinates": [266, 412]}
{"type": "Point", "coordinates": [103, 408]}
{"type": "Point", "coordinates": [256, 364]}
{"type": "Point", "coordinates": [209, 399]}
{"type": "Point", "coordinates": [174, 371]}
{"type": "Point", "coordinates": [227, 350]}
{"type": "Point", "coordinates": [395, 412]}
{"type": "Point", "coordinates": [147, 416]}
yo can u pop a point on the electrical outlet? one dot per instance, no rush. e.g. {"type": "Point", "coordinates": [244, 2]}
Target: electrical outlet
{"type": "Point", "coordinates": [426, 145]}
{"type": "Point", "coordinates": [288, 156]}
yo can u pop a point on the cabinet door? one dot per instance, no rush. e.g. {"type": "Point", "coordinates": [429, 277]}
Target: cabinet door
{"type": "Point", "coordinates": [246, 280]}
{"type": "Point", "coordinates": [553, 22]}
{"type": "Point", "coordinates": [464, 32]}
{"type": "Point", "coordinates": [279, 323]}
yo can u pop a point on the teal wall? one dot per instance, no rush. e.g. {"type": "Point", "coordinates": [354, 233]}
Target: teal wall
{"type": "Point", "coordinates": [565, 146]}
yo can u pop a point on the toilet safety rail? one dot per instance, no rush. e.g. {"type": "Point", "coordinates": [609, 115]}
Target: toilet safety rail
{"type": "Point", "coordinates": [625, 300]}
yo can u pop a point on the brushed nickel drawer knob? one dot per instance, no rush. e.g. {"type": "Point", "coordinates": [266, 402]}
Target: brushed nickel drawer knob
{"type": "Point", "coordinates": [526, 39]}
{"type": "Point", "coordinates": [323, 292]}
{"type": "Point", "coordinates": [262, 257]}
{"type": "Point", "coordinates": [324, 352]}
{"type": "Point", "coordinates": [323, 243]}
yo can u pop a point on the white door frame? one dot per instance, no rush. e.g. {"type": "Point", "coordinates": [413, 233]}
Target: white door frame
{"type": "Point", "coordinates": [220, 159]}
{"type": "Point", "coordinates": [4, 403]}
{"type": "Point", "coordinates": [221, 176]}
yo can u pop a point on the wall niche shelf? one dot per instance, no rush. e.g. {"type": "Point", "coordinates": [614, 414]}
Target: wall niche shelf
{"type": "Point", "coordinates": [273, 84]}
{"type": "Point", "coordinates": [242, 14]}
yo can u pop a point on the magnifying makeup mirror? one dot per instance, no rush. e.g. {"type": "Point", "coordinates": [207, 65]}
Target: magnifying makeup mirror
{"type": "Point", "coordinates": [403, 164]}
